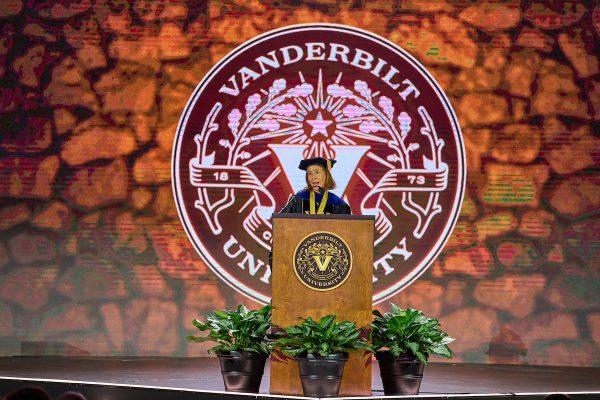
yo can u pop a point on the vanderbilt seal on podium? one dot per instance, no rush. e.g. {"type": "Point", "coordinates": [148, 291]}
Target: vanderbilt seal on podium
{"type": "Point", "coordinates": [318, 91]}
{"type": "Point", "coordinates": [322, 261]}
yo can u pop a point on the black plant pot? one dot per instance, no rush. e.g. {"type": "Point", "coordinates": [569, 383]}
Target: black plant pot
{"type": "Point", "coordinates": [321, 376]}
{"type": "Point", "coordinates": [242, 371]}
{"type": "Point", "coordinates": [399, 375]}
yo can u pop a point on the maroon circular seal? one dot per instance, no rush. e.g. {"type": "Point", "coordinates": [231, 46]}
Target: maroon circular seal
{"type": "Point", "coordinates": [318, 91]}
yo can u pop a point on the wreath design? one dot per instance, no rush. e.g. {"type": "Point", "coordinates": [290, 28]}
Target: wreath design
{"type": "Point", "coordinates": [360, 114]}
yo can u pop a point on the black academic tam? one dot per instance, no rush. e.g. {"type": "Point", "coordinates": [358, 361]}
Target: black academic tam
{"type": "Point", "coordinates": [304, 164]}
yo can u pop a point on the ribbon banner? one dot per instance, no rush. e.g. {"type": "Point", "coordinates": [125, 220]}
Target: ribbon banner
{"type": "Point", "coordinates": [407, 181]}
{"type": "Point", "coordinates": [413, 180]}
{"type": "Point", "coordinates": [230, 179]}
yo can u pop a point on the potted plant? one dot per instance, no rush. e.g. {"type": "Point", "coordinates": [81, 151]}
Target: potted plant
{"type": "Point", "coordinates": [321, 349]}
{"type": "Point", "coordinates": [403, 340]}
{"type": "Point", "coordinates": [242, 346]}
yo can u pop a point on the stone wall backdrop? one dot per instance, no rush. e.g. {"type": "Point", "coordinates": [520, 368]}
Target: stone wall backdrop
{"type": "Point", "coordinates": [94, 260]}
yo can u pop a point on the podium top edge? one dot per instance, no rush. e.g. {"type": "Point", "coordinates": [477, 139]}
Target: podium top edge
{"type": "Point", "coordinates": [325, 216]}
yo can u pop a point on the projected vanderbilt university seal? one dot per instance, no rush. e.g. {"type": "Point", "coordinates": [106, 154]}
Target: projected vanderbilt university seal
{"type": "Point", "coordinates": [318, 91]}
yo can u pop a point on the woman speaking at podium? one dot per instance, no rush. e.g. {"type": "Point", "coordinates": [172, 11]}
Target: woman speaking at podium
{"type": "Point", "coordinates": [315, 198]}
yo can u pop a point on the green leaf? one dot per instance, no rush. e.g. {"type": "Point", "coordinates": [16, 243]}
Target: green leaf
{"type": "Point", "coordinates": [408, 331]}
{"type": "Point", "coordinates": [323, 337]}
{"type": "Point", "coordinates": [239, 329]}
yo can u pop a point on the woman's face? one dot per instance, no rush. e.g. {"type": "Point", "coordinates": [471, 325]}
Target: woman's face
{"type": "Point", "coordinates": [316, 176]}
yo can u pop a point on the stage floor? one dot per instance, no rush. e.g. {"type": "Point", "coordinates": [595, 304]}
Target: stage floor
{"type": "Point", "coordinates": [201, 376]}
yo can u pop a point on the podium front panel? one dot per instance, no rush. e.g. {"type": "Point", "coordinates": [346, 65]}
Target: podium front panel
{"type": "Point", "coordinates": [294, 298]}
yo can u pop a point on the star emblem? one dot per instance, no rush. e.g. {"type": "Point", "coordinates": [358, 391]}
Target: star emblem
{"type": "Point", "coordinates": [319, 125]}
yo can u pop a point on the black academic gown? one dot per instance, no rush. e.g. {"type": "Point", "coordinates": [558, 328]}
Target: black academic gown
{"type": "Point", "coordinates": [300, 204]}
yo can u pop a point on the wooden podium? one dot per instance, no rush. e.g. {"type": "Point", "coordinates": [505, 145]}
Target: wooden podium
{"type": "Point", "coordinates": [293, 297]}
